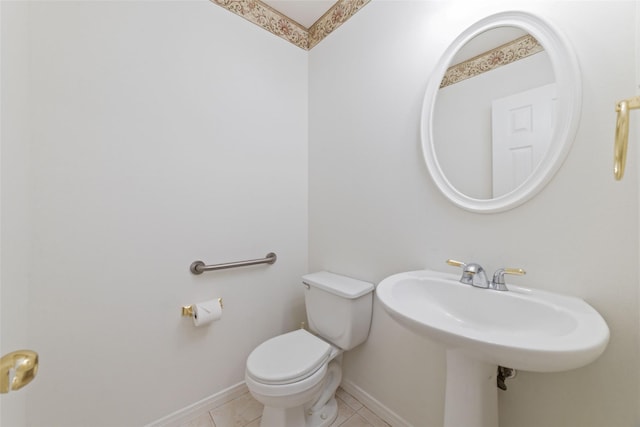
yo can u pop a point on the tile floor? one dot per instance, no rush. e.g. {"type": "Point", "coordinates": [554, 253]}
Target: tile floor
{"type": "Point", "coordinates": [245, 411]}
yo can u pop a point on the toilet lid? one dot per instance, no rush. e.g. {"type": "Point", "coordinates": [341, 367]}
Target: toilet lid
{"type": "Point", "coordinates": [287, 358]}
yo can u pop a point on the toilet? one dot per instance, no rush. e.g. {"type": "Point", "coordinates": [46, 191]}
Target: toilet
{"type": "Point", "coordinates": [295, 375]}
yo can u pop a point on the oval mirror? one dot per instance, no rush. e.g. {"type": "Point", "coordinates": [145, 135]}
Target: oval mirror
{"type": "Point", "coordinates": [500, 112]}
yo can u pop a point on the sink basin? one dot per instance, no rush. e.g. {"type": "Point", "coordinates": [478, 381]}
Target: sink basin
{"type": "Point", "coordinates": [521, 328]}
{"type": "Point", "coordinates": [482, 328]}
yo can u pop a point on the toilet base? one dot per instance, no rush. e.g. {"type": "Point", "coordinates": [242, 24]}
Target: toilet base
{"type": "Point", "coordinates": [325, 416]}
{"type": "Point", "coordinates": [275, 417]}
{"type": "Point", "coordinates": [290, 411]}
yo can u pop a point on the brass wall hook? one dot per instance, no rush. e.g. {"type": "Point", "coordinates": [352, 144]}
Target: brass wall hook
{"type": "Point", "coordinates": [622, 135]}
{"type": "Point", "coordinates": [23, 364]}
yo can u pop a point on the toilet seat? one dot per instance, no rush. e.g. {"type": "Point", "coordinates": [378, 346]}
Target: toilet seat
{"type": "Point", "coordinates": [288, 358]}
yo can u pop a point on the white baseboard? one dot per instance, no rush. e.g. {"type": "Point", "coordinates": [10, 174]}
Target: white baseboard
{"type": "Point", "coordinates": [191, 412]}
{"type": "Point", "coordinates": [374, 405]}
{"type": "Point", "coordinates": [184, 415]}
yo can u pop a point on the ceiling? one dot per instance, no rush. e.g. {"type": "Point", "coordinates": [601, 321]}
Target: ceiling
{"type": "Point", "coordinates": [304, 12]}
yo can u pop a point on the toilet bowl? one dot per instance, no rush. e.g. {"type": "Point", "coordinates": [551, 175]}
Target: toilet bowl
{"type": "Point", "coordinates": [295, 375]}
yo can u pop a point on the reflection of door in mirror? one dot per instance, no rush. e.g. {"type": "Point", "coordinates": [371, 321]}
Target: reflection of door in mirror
{"type": "Point", "coordinates": [522, 128]}
{"type": "Point", "coordinates": [463, 111]}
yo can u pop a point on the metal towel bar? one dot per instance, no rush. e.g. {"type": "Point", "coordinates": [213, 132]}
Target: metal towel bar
{"type": "Point", "coordinates": [199, 267]}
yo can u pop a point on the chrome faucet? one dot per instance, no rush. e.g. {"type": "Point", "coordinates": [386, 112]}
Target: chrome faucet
{"type": "Point", "coordinates": [473, 274]}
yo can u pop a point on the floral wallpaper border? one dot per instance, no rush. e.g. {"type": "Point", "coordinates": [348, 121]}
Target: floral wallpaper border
{"type": "Point", "coordinates": [515, 50]}
{"type": "Point", "coordinates": [276, 23]}
{"type": "Point", "coordinates": [338, 14]}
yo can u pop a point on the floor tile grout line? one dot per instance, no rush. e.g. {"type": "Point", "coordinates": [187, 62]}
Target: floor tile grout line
{"type": "Point", "coordinates": [354, 405]}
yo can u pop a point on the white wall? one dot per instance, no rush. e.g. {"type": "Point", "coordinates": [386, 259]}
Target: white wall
{"type": "Point", "coordinates": [374, 210]}
{"type": "Point", "coordinates": [161, 133]}
{"type": "Point", "coordinates": [14, 206]}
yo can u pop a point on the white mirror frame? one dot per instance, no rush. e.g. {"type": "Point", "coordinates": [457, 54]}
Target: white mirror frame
{"type": "Point", "coordinates": [567, 73]}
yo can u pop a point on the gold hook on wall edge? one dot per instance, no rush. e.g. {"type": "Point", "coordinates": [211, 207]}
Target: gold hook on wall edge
{"type": "Point", "coordinates": [622, 135]}
{"type": "Point", "coordinates": [17, 369]}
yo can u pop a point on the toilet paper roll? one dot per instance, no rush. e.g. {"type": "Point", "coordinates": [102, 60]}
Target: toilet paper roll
{"type": "Point", "coordinates": [206, 312]}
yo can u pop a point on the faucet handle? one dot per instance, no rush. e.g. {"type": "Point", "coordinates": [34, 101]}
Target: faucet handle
{"type": "Point", "coordinates": [498, 277]}
{"type": "Point", "coordinates": [454, 263]}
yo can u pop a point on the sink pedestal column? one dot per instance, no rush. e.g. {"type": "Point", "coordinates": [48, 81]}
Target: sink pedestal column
{"type": "Point", "coordinates": [471, 398]}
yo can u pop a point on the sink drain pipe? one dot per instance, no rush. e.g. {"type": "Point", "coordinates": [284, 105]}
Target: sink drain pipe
{"type": "Point", "coordinates": [504, 374]}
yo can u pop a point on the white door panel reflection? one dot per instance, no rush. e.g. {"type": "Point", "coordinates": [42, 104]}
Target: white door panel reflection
{"type": "Point", "coordinates": [522, 128]}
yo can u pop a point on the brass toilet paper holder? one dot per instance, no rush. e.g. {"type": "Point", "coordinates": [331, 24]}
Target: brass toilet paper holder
{"type": "Point", "coordinates": [187, 310]}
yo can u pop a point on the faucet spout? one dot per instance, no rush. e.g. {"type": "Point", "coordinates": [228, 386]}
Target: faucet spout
{"type": "Point", "coordinates": [473, 274]}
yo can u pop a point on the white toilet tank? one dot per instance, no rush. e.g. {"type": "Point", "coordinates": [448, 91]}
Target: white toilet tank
{"type": "Point", "coordinates": [338, 308]}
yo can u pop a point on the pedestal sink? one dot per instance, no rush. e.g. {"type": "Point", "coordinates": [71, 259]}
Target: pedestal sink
{"type": "Point", "coordinates": [522, 328]}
